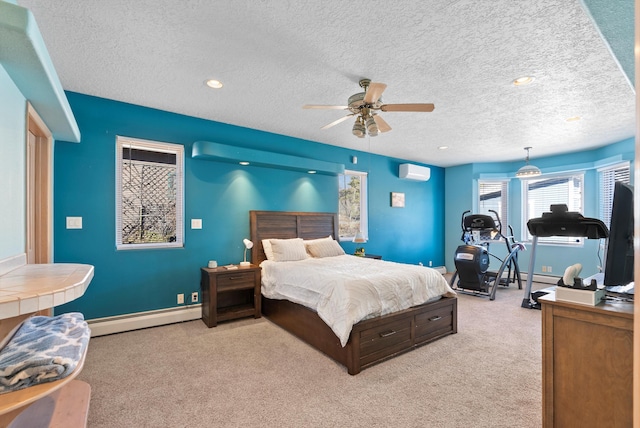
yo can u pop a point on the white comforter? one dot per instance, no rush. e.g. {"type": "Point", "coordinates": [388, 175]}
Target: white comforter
{"type": "Point", "coordinates": [346, 289]}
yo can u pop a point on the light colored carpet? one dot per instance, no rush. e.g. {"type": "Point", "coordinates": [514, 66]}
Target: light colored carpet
{"type": "Point", "coordinates": [252, 373]}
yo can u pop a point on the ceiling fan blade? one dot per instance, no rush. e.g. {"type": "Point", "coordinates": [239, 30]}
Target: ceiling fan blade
{"type": "Point", "coordinates": [383, 126]}
{"type": "Point", "coordinates": [313, 106]}
{"type": "Point", "coordinates": [374, 92]}
{"type": "Point", "coordinates": [335, 122]}
{"type": "Point", "coordinates": [408, 107]}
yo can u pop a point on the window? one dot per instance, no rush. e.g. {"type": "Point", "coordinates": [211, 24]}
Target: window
{"type": "Point", "coordinates": [540, 194]}
{"type": "Point", "coordinates": [352, 197]}
{"type": "Point", "coordinates": [149, 189]}
{"type": "Point", "coordinates": [492, 195]}
{"type": "Point", "coordinates": [608, 178]}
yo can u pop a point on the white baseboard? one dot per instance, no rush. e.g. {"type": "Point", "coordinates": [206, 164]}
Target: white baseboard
{"type": "Point", "coordinates": [121, 323]}
{"type": "Point", "coordinates": [545, 279]}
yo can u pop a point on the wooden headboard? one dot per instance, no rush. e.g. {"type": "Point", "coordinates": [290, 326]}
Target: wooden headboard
{"type": "Point", "coordinates": [287, 225]}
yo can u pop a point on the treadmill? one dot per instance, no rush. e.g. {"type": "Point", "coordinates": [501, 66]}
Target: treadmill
{"type": "Point", "coordinates": [559, 222]}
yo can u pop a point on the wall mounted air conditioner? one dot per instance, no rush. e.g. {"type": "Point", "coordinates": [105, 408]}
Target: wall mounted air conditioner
{"type": "Point", "coordinates": [414, 172]}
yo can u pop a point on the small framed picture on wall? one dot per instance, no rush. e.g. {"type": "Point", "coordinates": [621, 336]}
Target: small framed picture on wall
{"type": "Point", "coordinates": [397, 200]}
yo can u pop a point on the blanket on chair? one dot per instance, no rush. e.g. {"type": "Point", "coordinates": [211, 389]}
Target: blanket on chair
{"type": "Point", "coordinates": [43, 349]}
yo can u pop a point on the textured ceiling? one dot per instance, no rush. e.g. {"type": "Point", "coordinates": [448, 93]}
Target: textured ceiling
{"type": "Point", "coordinates": [275, 56]}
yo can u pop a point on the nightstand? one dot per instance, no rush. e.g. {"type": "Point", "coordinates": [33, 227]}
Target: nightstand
{"type": "Point", "coordinates": [230, 293]}
{"type": "Point", "coordinates": [373, 256]}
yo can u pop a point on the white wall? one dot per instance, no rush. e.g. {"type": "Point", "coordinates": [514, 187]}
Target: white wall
{"type": "Point", "coordinates": [12, 168]}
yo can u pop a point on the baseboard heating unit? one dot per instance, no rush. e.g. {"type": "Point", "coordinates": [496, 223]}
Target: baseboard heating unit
{"type": "Point", "coordinates": [136, 321]}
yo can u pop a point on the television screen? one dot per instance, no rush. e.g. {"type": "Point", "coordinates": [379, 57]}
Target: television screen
{"type": "Point", "coordinates": [619, 259]}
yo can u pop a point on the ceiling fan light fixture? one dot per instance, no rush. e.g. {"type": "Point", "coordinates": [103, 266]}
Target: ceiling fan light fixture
{"type": "Point", "coordinates": [365, 105]}
{"type": "Point", "coordinates": [527, 170]}
{"type": "Point", "coordinates": [358, 128]}
{"type": "Point", "coordinates": [372, 127]}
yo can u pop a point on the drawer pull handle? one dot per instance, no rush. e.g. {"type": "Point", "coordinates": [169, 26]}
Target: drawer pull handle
{"type": "Point", "coordinates": [436, 318]}
{"type": "Point", "coordinates": [388, 333]}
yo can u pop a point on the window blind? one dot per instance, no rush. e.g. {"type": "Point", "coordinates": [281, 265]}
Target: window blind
{"type": "Point", "coordinates": [608, 178]}
{"type": "Point", "coordinates": [149, 194]}
{"type": "Point", "coordinates": [492, 195]}
{"type": "Point", "coordinates": [540, 194]}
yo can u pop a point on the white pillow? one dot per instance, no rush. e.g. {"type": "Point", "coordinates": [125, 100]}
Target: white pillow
{"type": "Point", "coordinates": [268, 251]}
{"type": "Point", "coordinates": [311, 241]}
{"type": "Point", "coordinates": [288, 250]}
{"type": "Point", "coordinates": [324, 248]}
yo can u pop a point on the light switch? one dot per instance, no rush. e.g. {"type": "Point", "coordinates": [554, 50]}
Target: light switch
{"type": "Point", "coordinates": [74, 222]}
{"type": "Point", "coordinates": [196, 223]}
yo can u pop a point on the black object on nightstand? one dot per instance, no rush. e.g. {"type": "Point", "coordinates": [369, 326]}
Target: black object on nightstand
{"type": "Point", "coordinates": [230, 293]}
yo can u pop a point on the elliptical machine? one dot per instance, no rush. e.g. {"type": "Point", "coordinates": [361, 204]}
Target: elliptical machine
{"type": "Point", "coordinates": [472, 259]}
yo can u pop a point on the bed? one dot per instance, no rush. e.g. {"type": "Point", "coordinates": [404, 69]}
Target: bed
{"type": "Point", "coordinates": [371, 340]}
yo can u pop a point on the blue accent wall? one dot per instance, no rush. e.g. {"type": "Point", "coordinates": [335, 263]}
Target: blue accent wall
{"type": "Point", "coordinates": [221, 194]}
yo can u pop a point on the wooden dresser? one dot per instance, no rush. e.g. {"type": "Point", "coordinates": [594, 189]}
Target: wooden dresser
{"type": "Point", "coordinates": [587, 364]}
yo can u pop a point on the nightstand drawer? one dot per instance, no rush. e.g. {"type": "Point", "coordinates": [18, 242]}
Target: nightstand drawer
{"type": "Point", "coordinates": [236, 281]}
{"type": "Point", "coordinates": [381, 341]}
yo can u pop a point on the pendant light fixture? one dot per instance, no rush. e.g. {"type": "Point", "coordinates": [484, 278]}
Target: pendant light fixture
{"type": "Point", "coordinates": [528, 170]}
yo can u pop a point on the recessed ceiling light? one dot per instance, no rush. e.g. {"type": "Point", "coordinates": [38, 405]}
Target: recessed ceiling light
{"type": "Point", "coordinates": [524, 80]}
{"type": "Point", "coordinates": [311, 172]}
{"type": "Point", "coordinates": [244, 163]}
{"type": "Point", "coordinates": [212, 83]}
{"type": "Point", "coordinates": [573, 119]}
{"type": "Point", "coordinates": [443, 147]}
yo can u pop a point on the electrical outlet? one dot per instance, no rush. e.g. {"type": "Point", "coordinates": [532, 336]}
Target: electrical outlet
{"type": "Point", "coordinates": [194, 297]}
{"type": "Point", "coordinates": [430, 263]}
{"type": "Point", "coordinates": [549, 269]}
{"type": "Point", "coordinates": [181, 299]}
{"type": "Point", "coordinates": [544, 268]}
{"type": "Point", "coordinates": [74, 222]}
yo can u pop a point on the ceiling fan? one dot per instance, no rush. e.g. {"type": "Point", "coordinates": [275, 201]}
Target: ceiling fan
{"type": "Point", "coordinates": [364, 105]}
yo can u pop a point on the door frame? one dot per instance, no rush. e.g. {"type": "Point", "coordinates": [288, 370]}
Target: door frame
{"type": "Point", "coordinates": [39, 189]}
